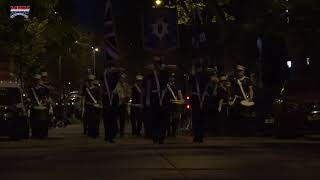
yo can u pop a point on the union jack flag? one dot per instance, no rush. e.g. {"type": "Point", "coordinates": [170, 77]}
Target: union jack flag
{"type": "Point", "coordinates": [110, 40]}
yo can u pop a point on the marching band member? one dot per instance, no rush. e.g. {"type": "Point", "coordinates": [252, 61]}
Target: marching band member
{"type": "Point", "coordinates": [242, 88]}
{"type": "Point", "coordinates": [91, 119]}
{"type": "Point", "coordinates": [110, 102]}
{"type": "Point", "coordinates": [174, 102]}
{"type": "Point", "coordinates": [156, 83]}
{"type": "Point", "coordinates": [123, 91]}
{"type": "Point", "coordinates": [199, 83]}
{"type": "Point", "coordinates": [245, 82]}
{"type": "Point", "coordinates": [212, 104]}
{"type": "Point", "coordinates": [224, 102]}
{"type": "Point", "coordinates": [137, 106]}
{"type": "Point", "coordinates": [39, 115]}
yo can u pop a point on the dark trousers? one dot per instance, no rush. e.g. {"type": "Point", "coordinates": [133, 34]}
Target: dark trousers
{"type": "Point", "coordinates": [110, 122]}
{"type": "Point", "coordinates": [160, 123]}
{"type": "Point", "coordinates": [92, 119]}
{"type": "Point", "coordinates": [223, 121]}
{"type": "Point", "coordinates": [123, 115]}
{"type": "Point", "coordinates": [174, 119]}
{"type": "Point", "coordinates": [147, 122]}
{"type": "Point", "coordinates": [39, 120]}
{"type": "Point", "coordinates": [85, 118]}
{"type": "Point", "coordinates": [198, 123]}
{"type": "Point", "coordinates": [136, 120]}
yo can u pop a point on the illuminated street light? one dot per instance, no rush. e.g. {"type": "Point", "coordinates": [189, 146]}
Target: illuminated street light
{"type": "Point", "coordinates": [308, 61]}
{"type": "Point", "coordinates": [158, 2]}
{"type": "Point", "coordinates": [289, 64]}
{"type": "Point", "coordinates": [94, 50]}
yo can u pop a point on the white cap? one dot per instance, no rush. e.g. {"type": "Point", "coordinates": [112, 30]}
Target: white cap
{"type": "Point", "coordinates": [37, 76]}
{"type": "Point", "coordinates": [139, 77]}
{"type": "Point", "coordinates": [224, 78]}
{"type": "Point", "coordinates": [240, 68]}
{"type": "Point", "coordinates": [91, 77]}
{"type": "Point", "coordinates": [44, 74]}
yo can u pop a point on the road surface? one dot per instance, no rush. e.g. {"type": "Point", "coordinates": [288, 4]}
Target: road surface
{"type": "Point", "coordinates": [69, 155]}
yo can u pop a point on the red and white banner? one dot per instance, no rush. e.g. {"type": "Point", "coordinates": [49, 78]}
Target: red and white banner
{"type": "Point", "coordinates": [19, 11]}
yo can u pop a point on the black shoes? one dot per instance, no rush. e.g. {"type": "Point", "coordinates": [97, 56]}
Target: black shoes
{"type": "Point", "coordinates": [197, 140]}
{"type": "Point", "coordinates": [109, 140]}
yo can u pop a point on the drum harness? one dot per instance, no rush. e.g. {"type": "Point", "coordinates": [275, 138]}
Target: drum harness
{"type": "Point", "coordinates": [141, 97]}
{"type": "Point", "coordinates": [36, 96]}
{"type": "Point", "coordinates": [110, 96]}
{"type": "Point", "coordinates": [93, 99]}
{"type": "Point", "coordinates": [201, 96]}
{"type": "Point", "coordinates": [244, 102]}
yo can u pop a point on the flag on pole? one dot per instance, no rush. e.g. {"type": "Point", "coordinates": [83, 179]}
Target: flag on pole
{"type": "Point", "coordinates": [110, 38]}
{"type": "Point", "coordinates": [160, 30]}
{"type": "Point", "coordinates": [199, 34]}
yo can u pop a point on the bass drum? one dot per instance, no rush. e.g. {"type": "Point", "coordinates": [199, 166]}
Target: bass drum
{"type": "Point", "coordinates": [39, 119]}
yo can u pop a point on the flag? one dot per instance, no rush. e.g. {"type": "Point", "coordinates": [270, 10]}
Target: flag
{"type": "Point", "coordinates": [199, 34]}
{"type": "Point", "coordinates": [110, 40]}
{"type": "Point", "coordinates": [160, 30]}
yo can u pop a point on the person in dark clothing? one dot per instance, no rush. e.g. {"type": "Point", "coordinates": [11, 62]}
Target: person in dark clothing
{"type": "Point", "coordinates": [199, 84]}
{"type": "Point", "coordinates": [39, 115]}
{"type": "Point", "coordinates": [225, 102]}
{"type": "Point", "coordinates": [110, 101]}
{"type": "Point", "coordinates": [156, 83]}
{"type": "Point", "coordinates": [92, 108]}
{"type": "Point", "coordinates": [137, 103]}
{"type": "Point", "coordinates": [242, 88]}
{"type": "Point", "coordinates": [211, 107]}
{"type": "Point", "coordinates": [175, 102]}
{"type": "Point", "coordinates": [123, 92]}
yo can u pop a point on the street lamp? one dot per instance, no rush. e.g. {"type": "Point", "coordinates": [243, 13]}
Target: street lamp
{"type": "Point", "coordinates": [94, 50]}
{"type": "Point", "coordinates": [158, 2]}
{"type": "Point", "coordinates": [289, 64]}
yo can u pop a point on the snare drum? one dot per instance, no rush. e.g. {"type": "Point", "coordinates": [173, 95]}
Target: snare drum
{"type": "Point", "coordinates": [178, 106]}
{"type": "Point", "coordinates": [247, 112]}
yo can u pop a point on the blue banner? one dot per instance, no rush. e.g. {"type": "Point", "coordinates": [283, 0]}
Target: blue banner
{"type": "Point", "coordinates": [160, 32]}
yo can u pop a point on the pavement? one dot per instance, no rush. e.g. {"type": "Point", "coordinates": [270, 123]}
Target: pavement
{"type": "Point", "coordinates": [67, 154]}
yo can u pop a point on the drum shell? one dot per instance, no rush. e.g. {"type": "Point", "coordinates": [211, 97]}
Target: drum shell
{"type": "Point", "coordinates": [246, 112]}
{"type": "Point", "coordinates": [177, 107]}
{"type": "Point", "coordinates": [39, 119]}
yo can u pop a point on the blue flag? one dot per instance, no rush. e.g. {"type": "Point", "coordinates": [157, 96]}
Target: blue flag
{"type": "Point", "coordinates": [110, 38]}
{"type": "Point", "coordinates": [160, 30]}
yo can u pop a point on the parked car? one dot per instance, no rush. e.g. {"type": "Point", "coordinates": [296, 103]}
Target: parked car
{"type": "Point", "coordinates": [74, 104]}
{"type": "Point", "coordinates": [13, 116]}
{"type": "Point", "coordinates": [297, 110]}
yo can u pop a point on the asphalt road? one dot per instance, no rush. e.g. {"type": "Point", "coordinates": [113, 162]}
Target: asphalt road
{"type": "Point", "coordinates": [69, 155]}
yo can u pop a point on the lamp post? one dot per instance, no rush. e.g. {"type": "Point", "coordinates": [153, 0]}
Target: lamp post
{"type": "Point", "coordinates": [94, 51]}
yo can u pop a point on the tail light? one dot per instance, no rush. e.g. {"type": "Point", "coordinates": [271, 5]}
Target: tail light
{"type": "Point", "coordinates": [188, 107]}
{"type": "Point", "coordinates": [188, 98]}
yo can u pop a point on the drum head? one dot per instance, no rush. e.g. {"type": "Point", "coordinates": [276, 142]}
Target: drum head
{"type": "Point", "coordinates": [247, 103]}
{"type": "Point", "coordinates": [40, 107]}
